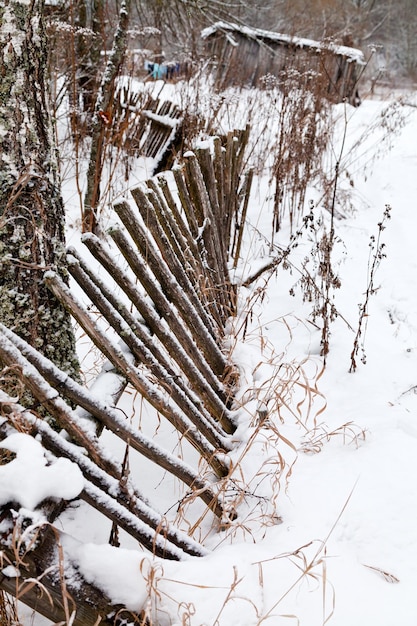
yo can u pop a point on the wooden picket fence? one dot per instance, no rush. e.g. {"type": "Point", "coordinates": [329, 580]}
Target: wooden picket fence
{"type": "Point", "coordinates": [166, 295]}
{"type": "Point", "coordinates": [147, 126]}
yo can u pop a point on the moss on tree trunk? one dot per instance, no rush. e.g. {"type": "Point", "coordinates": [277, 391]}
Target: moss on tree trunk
{"type": "Point", "coordinates": [31, 207]}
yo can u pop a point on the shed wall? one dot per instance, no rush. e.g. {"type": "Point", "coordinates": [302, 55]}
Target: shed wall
{"type": "Point", "coordinates": [241, 60]}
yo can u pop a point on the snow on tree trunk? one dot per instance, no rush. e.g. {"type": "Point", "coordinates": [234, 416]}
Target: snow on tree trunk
{"type": "Point", "coordinates": [31, 207]}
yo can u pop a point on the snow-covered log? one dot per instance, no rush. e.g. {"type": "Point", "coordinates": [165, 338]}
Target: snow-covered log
{"type": "Point", "coordinates": [103, 413]}
{"type": "Point", "coordinates": [50, 399]}
{"type": "Point", "coordinates": [161, 403]}
{"type": "Point", "coordinates": [171, 381]}
{"type": "Point", "coordinates": [181, 349]}
{"type": "Point", "coordinates": [112, 497]}
{"type": "Point", "coordinates": [40, 583]}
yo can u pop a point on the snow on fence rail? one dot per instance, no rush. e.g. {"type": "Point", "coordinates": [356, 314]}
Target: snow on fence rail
{"type": "Point", "coordinates": [167, 304]}
{"type": "Point", "coordinates": [155, 125]}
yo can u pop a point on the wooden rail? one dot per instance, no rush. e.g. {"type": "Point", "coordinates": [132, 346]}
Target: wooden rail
{"type": "Point", "coordinates": [167, 297]}
{"type": "Point", "coordinates": [42, 586]}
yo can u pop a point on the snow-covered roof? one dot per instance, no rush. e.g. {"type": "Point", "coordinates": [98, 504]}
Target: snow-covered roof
{"type": "Point", "coordinates": [353, 54]}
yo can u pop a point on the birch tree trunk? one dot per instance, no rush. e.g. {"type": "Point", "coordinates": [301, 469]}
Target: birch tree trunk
{"type": "Point", "coordinates": [31, 206]}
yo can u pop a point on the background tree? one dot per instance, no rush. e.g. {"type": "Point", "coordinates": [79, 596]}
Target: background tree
{"type": "Point", "coordinates": [31, 206]}
{"type": "Point", "coordinates": [179, 22]}
{"type": "Point", "coordinates": [90, 16]}
{"type": "Point", "coordinates": [103, 114]}
{"type": "Point", "coordinates": [388, 26]}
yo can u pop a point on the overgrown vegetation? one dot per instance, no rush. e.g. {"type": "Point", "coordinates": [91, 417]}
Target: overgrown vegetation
{"type": "Point", "coordinates": [173, 308]}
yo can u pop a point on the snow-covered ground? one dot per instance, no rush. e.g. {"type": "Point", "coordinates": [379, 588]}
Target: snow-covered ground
{"type": "Point", "coordinates": [326, 531]}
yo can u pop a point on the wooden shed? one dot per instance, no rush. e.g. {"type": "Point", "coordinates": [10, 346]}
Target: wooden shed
{"type": "Point", "coordinates": [245, 56]}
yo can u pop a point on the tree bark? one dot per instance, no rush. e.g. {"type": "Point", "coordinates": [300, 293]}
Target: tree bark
{"type": "Point", "coordinates": [89, 15]}
{"type": "Point", "coordinates": [31, 206]}
{"type": "Point", "coordinates": [102, 118]}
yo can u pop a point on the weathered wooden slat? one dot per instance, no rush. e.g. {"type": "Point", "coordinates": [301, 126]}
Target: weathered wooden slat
{"type": "Point", "coordinates": [239, 228]}
{"type": "Point", "coordinates": [135, 377]}
{"type": "Point", "coordinates": [200, 403]}
{"type": "Point", "coordinates": [209, 233]}
{"type": "Point", "coordinates": [173, 279]}
{"type": "Point", "coordinates": [199, 339]}
{"type": "Point", "coordinates": [194, 367]}
{"type": "Point", "coordinates": [205, 160]}
{"type": "Point", "coordinates": [219, 171]}
{"type": "Point", "coordinates": [187, 204]}
{"type": "Point", "coordinates": [60, 600]}
{"type": "Point", "coordinates": [109, 417]}
{"type": "Point", "coordinates": [166, 221]}
{"type": "Point", "coordinates": [228, 211]}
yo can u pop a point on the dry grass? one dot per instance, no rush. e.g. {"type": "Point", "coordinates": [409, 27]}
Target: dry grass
{"type": "Point", "coordinates": [349, 434]}
{"type": "Point", "coordinates": [302, 139]}
{"type": "Point", "coordinates": [289, 395]}
{"type": "Point", "coordinates": [21, 543]}
{"type": "Point", "coordinates": [8, 609]}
